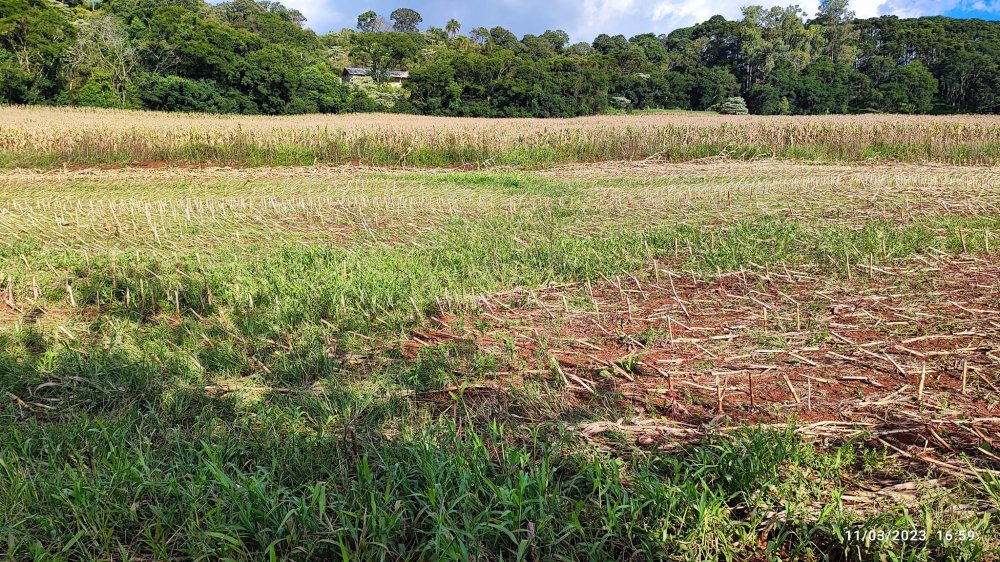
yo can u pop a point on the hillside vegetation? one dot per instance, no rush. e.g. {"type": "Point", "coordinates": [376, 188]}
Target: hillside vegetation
{"type": "Point", "coordinates": [245, 56]}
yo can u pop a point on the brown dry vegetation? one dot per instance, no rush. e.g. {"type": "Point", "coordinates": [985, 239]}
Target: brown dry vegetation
{"type": "Point", "coordinates": [39, 118]}
{"type": "Point", "coordinates": [49, 137]}
{"type": "Point", "coordinates": [908, 353]}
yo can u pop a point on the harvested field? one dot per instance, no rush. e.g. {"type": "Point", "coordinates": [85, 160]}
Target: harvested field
{"type": "Point", "coordinates": [906, 354]}
{"type": "Point", "coordinates": [709, 360]}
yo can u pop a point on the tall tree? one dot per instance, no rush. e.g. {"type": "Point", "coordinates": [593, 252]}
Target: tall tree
{"type": "Point", "coordinates": [836, 20]}
{"type": "Point", "coordinates": [371, 22]}
{"type": "Point", "coordinates": [558, 39]}
{"type": "Point", "coordinates": [382, 52]}
{"type": "Point", "coordinates": [33, 37]}
{"type": "Point", "coordinates": [255, 56]}
{"type": "Point", "coordinates": [405, 20]}
{"type": "Point", "coordinates": [503, 38]}
{"type": "Point", "coordinates": [480, 35]}
{"type": "Point", "coordinates": [104, 52]}
{"type": "Point", "coordinates": [755, 52]}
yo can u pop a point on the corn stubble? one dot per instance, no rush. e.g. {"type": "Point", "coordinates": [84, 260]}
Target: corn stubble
{"type": "Point", "coordinates": [315, 363]}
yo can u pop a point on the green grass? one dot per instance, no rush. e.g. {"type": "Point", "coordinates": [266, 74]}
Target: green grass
{"type": "Point", "coordinates": [244, 482]}
{"type": "Point", "coordinates": [111, 446]}
{"type": "Point", "coordinates": [231, 490]}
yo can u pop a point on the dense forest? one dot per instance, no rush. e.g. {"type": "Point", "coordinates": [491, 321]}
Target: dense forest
{"type": "Point", "coordinates": [249, 56]}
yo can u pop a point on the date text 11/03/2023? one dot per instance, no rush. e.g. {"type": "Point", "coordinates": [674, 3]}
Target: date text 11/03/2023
{"type": "Point", "coordinates": [910, 535]}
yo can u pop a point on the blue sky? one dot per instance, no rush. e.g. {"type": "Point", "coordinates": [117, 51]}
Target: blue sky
{"type": "Point", "coordinates": [584, 19]}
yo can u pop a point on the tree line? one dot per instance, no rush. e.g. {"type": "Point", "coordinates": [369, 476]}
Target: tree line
{"type": "Point", "coordinates": [256, 57]}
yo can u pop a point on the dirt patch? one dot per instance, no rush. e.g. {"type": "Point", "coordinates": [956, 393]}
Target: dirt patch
{"type": "Point", "coordinates": [910, 353]}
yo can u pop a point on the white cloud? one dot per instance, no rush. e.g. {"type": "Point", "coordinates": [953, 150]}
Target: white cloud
{"type": "Point", "coordinates": [980, 6]}
{"type": "Point", "coordinates": [919, 8]}
{"type": "Point", "coordinates": [867, 9]}
{"type": "Point", "coordinates": [320, 14]}
{"type": "Point", "coordinates": [913, 8]}
{"type": "Point", "coordinates": [595, 13]}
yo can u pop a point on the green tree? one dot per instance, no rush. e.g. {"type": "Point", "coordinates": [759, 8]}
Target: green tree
{"type": "Point", "coordinates": [479, 35]}
{"type": "Point", "coordinates": [434, 35]}
{"type": "Point", "coordinates": [370, 22]}
{"type": "Point", "coordinates": [557, 39]}
{"type": "Point", "coordinates": [104, 52]}
{"type": "Point", "coordinates": [269, 78]}
{"type": "Point", "coordinates": [319, 90]}
{"type": "Point", "coordinates": [652, 47]}
{"type": "Point", "coordinates": [504, 39]}
{"type": "Point", "coordinates": [538, 47]}
{"type": "Point", "coordinates": [405, 20]}
{"type": "Point", "coordinates": [100, 90]}
{"type": "Point", "coordinates": [712, 86]}
{"type": "Point", "coordinates": [911, 89]}
{"type": "Point", "coordinates": [823, 87]}
{"type": "Point", "coordinates": [382, 52]}
{"type": "Point", "coordinates": [255, 56]}
{"type": "Point", "coordinates": [175, 93]}
{"type": "Point", "coordinates": [580, 49]}
{"type": "Point", "coordinates": [836, 20]}
{"type": "Point", "coordinates": [434, 89]}
{"type": "Point", "coordinates": [197, 47]}
{"type": "Point", "coordinates": [34, 37]}
{"type": "Point", "coordinates": [606, 44]}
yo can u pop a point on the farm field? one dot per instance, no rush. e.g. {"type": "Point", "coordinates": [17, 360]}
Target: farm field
{"type": "Point", "coordinates": [53, 138]}
{"type": "Point", "coordinates": [716, 359]}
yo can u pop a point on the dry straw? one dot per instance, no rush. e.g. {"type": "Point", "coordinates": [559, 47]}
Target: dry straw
{"type": "Point", "coordinates": [48, 137]}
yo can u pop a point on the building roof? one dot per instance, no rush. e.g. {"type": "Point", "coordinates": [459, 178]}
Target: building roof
{"type": "Point", "coordinates": [355, 71]}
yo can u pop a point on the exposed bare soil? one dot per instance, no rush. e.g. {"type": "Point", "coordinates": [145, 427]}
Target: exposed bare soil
{"type": "Point", "coordinates": [909, 355]}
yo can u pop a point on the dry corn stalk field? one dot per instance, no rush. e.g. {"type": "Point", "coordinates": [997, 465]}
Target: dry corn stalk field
{"type": "Point", "coordinates": [59, 137]}
{"type": "Point", "coordinates": [64, 120]}
{"type": "Point", "coordinates": [577, 354]}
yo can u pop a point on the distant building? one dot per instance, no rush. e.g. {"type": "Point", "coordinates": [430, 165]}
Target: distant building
{"type": "Point", "coordinates": [396, 77]}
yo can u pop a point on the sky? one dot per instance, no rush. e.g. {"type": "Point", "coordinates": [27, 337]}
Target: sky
{"type": "Point", "coordinates": [585, 19]}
